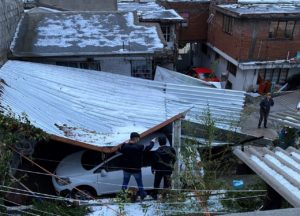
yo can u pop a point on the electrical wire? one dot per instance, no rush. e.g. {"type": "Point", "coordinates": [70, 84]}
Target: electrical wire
{"type": "Point", "coordinates": [21, 211]}
{"type": "Point", "coordinates": [120, 185]}
{"type": "Point", "coordinates": [45, 170]}
{"type": "Point", "coordinates": [29, 207]}
{"type": "Point", "coordinates": [97, 201]}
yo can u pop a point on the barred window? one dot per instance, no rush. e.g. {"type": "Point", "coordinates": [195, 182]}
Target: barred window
{"type": "Point", "coordinates": [282, 29]}
{"type": "Point", "coordinates": [227, 24]}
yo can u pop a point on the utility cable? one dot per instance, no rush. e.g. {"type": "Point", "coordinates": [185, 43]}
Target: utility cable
{"type": "Point", "coordinates": [101, 203]}
{"type": "Point", "coordinates": [45, 170]}
{"type": "Point", "coordinates": [29, 207]}
{"type": "Point", "coordinates": [21, 211]}
{"type": "Point", "coordinates": [120, 185]}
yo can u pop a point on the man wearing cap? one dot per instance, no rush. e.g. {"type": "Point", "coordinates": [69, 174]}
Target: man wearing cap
{"type": "Point", "coordinates": [265, 106]}
{"type": "Point", "coordinates": [132, 156]}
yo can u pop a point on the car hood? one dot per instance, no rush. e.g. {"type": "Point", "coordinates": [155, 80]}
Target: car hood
{"type": "Point", "coordinates": [71, 166]}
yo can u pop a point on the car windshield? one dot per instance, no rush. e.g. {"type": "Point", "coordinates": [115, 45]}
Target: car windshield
{"type": "Point", "coordinates": [91, 159]}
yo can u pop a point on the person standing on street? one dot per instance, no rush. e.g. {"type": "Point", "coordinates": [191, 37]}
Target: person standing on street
{"type": "Point", "coordinates": [162, 165]}
{"type": "Point", "coordinates": [265, 106]}
{"type": "Point", "coordinates": [132, 158]}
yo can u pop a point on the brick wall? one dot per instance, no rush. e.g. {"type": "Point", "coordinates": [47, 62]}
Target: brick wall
{"type": "Point", "coordinates": [249, 40]}
{"type": "Point", "coordinates": [10, 13]}
{"type": "Point", "coordinates": [197, 20]}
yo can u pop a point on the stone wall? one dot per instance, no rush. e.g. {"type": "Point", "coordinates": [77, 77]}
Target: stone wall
{"type": "Point", "coordinates": [10, 13]}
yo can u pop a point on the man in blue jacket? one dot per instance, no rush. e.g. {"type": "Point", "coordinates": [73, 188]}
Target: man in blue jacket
{"type": "Point", "coordinates": [133, 158]}
{"type": "Point", "coordinates": [265, 106]}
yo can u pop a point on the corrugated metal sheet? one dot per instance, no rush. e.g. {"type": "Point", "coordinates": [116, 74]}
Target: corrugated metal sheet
{"type": "Point", "coordinates": [102, 109]}
{"type": "Point", "coordinates": [165, 75]}
{"type": "Point", "coordinates": [287, 118]}
{"type": "Point", "coordinates": [279, 168]}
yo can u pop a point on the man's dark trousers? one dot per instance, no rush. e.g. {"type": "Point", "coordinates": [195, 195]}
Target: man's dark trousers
{"type": "Point", "coordinates": [263, 116]}
{"type": "Point", "coordinates": [157, 180]}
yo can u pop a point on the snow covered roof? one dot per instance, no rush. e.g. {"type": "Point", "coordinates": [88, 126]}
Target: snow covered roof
{"type": "Point", "coordinates": [268, 1]}
{"type": "Point", "coordinates": [279, 168]}
{"type": "Point", "coordinates": [84, 33]}
{"type": "Point", "coordinates": [42, 10]}
{"type": "Point", "coordinates": [259, 8]}
{"type": "Point", "coordinates": [101, 109]}
{"type": "Point", "coordinates": [150, 11]}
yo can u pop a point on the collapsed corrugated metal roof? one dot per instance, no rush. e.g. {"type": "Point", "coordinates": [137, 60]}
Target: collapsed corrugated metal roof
{"type": "Point", "coordinates": [101, 109]}
{"type": "Point", "coordinates": [165, 75]}
{"type": "Point", "coordinates": [279, 168]}
{"type": "Point", "coordinates": [84, 33]}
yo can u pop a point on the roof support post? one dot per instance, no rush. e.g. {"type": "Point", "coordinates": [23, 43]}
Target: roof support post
{"type": "Point", "coordinates": [176, 143]}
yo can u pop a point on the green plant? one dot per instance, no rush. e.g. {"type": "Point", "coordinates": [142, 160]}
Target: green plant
{"type": "Point", "coordinates": [245, 201]}
{"type": "Point", "coordinates": [59, 208]}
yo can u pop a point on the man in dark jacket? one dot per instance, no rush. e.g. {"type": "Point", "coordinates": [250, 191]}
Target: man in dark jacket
{"type": "Point", "coordinates": [162, 165]}
{"type": "Point", "coordinates": [265, 106]}
{"type": "Point", "coordinates": [132, 158]}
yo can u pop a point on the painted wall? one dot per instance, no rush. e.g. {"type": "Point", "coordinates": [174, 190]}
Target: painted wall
{"type": "Point", "coordinates": [10, 13]}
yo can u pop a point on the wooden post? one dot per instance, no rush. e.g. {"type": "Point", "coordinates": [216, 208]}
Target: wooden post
{"type": "Point", "coordinates": [176, 143]}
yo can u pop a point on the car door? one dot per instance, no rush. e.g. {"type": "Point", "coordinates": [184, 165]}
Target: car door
{"type": "Point", "coordinates": [110, 181]}
{"type": "Point", "coordinates": [148, 177]}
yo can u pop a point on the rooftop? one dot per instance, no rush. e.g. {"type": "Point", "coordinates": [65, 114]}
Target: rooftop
{"type": "Point", "coordinates": [150, 11]}
{"type": "Point", "coordinates": [261, 8]}
{"type": "Point", "coordinates": [84, 33]}
{"type": "Point", "coordinates": [101, 109]}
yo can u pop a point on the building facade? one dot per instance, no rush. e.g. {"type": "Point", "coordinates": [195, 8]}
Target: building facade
{"type": "Point", "coordinates": [10, 13]}
{"type": "Point", "coordinates": [250, 46]}
{"type": "Point", "coordinates": [251, 49]}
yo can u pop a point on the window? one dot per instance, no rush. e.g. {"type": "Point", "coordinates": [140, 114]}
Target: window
{"type": "Point", "coordinates": [228, 85]}
{"type": "Point", "coordinates": [141, 68]}
{"type": "Point", "coordinates": [114, 164]}
{"type": "Point", "coordinates": [204, 48]}
{"type": "Point", "coordinates": [83, 65]}
{"type": "Point", "coordinates": [281, 29]}
{"type": "Point", "coordinates": [227, 24]}
{"type": "Point", "coordinates": [186, 17]}
{"type": "Point", "coordinates": [231, 68]}
{"type": "Point", "coordinates": [166, 30]}
{"type": "Point", "coordinates": [91, 159]}
{"type": "Point", "coordinates": [276, 75]}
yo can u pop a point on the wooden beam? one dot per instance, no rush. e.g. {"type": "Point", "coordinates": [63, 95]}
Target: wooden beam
{"type": "Point", "coordinates": [108, 149]}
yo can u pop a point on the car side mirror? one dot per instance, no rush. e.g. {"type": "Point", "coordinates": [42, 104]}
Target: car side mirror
{"type": "Point", "coordinates": [103, 173]}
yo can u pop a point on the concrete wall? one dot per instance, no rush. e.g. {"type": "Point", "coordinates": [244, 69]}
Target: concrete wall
{"type": "Point", "coordinates": [81, 5]}
{"type": "Point", "coordinates": [10, 13]}
{"type": "Point", "coordinates": [249, 40]}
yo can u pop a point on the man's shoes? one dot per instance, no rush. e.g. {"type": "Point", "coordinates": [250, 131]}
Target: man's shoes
{"type": "Point", "coordinates": [258, 126]}
{"type": "Point", "coordinates": [265, 127]}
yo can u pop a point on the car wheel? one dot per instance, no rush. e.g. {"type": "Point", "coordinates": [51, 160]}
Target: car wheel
{"type": "Point", "coordinates": [84, 193]}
